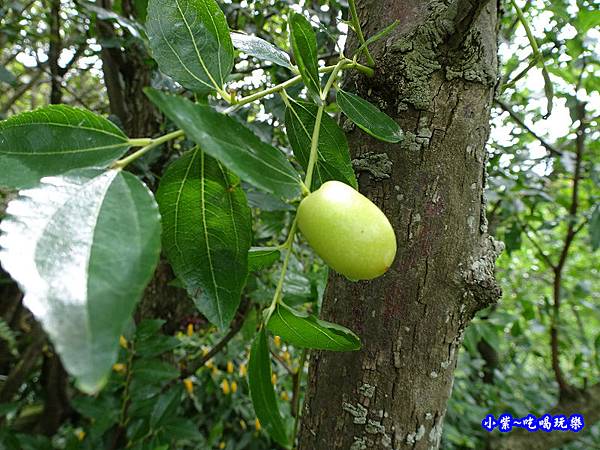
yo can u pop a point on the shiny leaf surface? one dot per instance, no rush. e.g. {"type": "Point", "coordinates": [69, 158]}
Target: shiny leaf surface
{"type": "Point", "coordinates": [82, 247]}
{"type": "Point", "coordinates": [261, 49]}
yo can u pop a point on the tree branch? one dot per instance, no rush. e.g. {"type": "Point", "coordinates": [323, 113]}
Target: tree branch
{"type": "Point", "coordinates": [20, 91]}
{"type": "Point", "coordinates": [236, 326]}
{"type": "Point", "coordinates": [23, 368]}
{"type": "Point", "coordinates": [551, 149]}
{"type": "Point", "coordinates": [54, 50]}
{"type": "Point", "coordinates": [541, 252]}
{"type": "Point", "coordinates": [565, 389]}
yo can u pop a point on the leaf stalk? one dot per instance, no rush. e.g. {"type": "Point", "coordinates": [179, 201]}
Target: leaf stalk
{"type": "Point", "coordinates": [120, 164]}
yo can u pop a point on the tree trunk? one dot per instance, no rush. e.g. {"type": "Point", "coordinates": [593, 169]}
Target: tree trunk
{"type": "Point", "coordinates": [54, 50]}
{"type": "Point", "coordinates": [435, 75]}
{"type": "Point", "coordinates": [126, 73]}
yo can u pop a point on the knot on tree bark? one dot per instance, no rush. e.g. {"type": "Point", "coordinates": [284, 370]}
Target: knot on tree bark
{"type": "Point", "coordinates": [481, 288]}
{"type": "Point", "coordinates": [448, 40]}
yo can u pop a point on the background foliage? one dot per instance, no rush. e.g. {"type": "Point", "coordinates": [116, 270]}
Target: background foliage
{"type": "Point", "coordinates": [181, 395]}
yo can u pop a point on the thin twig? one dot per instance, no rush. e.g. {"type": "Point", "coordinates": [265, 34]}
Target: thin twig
{"type": "Point", "coordinates": [236, 326]}
{"type": "Point", "coordinates": [522, 124]}
{"type": "Point", "coordinates": [281, 361]}
{"type": "Point", "coordinates": [543, 255]}
{"type": "Point", "coordinates": [565, 389]}
{"type": "Point", "coordinates": [297, 382]}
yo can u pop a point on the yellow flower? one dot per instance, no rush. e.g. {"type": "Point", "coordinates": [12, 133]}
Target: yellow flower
{"type": "Point", "coordinates": [286, 356]}
{"type": "Point", "coordinates": [233, 387]}
{"type": "Point", "coordinates": [210, 364]}
{"type": "Point", "coordinates": [222, 445]}
{"type": "Point", "coordinates": [277, 341]}
{"type": "Point", "coordinates": [225, 387]}
{"type": "Point", "coordinates": [243, 424]}
{"type": "Point", "coordinates": [189, 385]}
{"type": "Point", "coordinates": [190, 329]}
{"type": "Point", "coordinates": [274, 378]}
{"type": "Point", "coordinates": [243, 370]}
{"type": "Point", "coordinates": [229, 367]}
{"type": "Point", "coordinates": [80, 434]}
{"type": "Point", "coordinates": [119, 367]}
{"type": "Point", "coordinates": [204, 351]}
{"type": "Point", "coordinates": [257, 424]}
{"type": "Point", "coordinates": [284, 396]}
{"type": "Point", "coordinates": [123, 342]}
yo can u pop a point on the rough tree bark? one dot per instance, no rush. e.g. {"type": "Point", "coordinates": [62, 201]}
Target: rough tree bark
{"type": "Point", "coordinates": [126, 73]}
{"type": "Point", "coordinates": [436, 76]}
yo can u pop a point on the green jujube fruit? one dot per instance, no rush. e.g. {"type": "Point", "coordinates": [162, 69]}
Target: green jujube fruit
{"type": "Point", "coordinates": [348, 231]}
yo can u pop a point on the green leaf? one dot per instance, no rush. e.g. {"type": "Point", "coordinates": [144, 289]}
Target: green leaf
{"type": "Point", "coordinates": [586, 20]}
{"type": "Point", "coordinates": [155, 345]}
{"type": "Point", "coordinates": [512, 238]}
{"type": "Point", "coordinates": [190, 42]}
{"type": "Point", "coordinates": [153, 371]}
{"type": "Point", "coordinates": [82, 247]}
{"type": "Point", "coordinates": [132, 26]}
{"type": "Point", "coordinates": [141, 9]}
{"type": "Point", "coordinates": [306, 331]}
{"type": "Point", "coordinates": [53, 140]}
{"type": "Point", "coordinates": [6, 76]}
{"type": "Point", "coordinates": [488, 333]}
{"type": "Point", "coordinates": [165, 406]}
{"type": "Point", "coordinates": [369, 118]}
{"type": "Point", "coordinates": [262, 257]}
{"type": "Point", "coordinates": [595, 228]}
{"type": "Point", "coordinates": [184, 430]}
{"type": "Point", "coordinates": [304, 45]}
{"type": "Point", "coordinates": [227, 140]}
{"type": "Point", "coordinates": [379, 35]}
{"type": "Point", "coordinates": [261, 49]}
{"type": "Point", "coordinates": [207, 232]}
{"type": "Point", "coordinates": [333, 161]}
{"type": "Point", "coordinates": [262, 391]}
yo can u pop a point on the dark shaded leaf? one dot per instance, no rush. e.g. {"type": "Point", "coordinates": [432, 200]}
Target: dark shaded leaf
{"type": "Point", "coordinates": [262, 392]}
{"type": "Point", "coordinates": [207, 232]}
{"type": "Point", "coordinates": [165, 406]}
{"type": "Point", "coordinates": [304, 45]}
{"type": "Point", "coordinates": [369, 118]}
{"type": "Point", "coordinates": [6, 76]}
{"type": "Point", "coordinates": [306, 331]}
{"type": "Point", "coordinates": [595, 228]}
